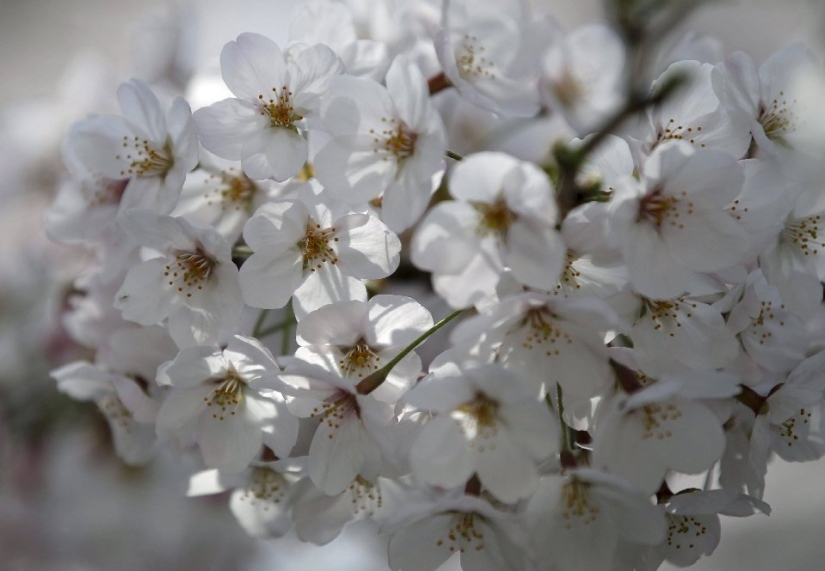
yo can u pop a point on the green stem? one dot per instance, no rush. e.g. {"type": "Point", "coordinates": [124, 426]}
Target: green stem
{"type": "Point", "coordinates": [286, 324]}
{"type": "Point", "coordinates": [256, 331]}
{"type": "Point", "coordinates": [289, 319]}
{"type": "Point", "coordinates": [373, 381]}
{"type": "Point", "coordinates": [454, 156]}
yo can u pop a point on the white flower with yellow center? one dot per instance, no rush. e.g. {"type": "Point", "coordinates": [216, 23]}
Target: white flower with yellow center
{"type": "Point", "coordinates": [351, 437]}
{"type": "Point", "coordinates": [305, 251]}
{"type": "Point", "coordinates": [356, 338]}
{"type": "Point", "coordinates": [769, 97]}
{"type": "Point", "coordinates": [504, 216]}
{"type": "Point", "coordinates": [488, 421]}
{"type": "Point", "coordinates": [480, 49]}
{"type": "Point", "coordinates": [794, 259]}
{"type": "Point", "coordinates": [193, 282]}
{"type": "Point", "coordinates": [149, 151]}
{"type": "Point", "coordinates": [682, 333]}
{"type": "Point", "coordinates": [263, 126]}
{"type": "Point", "coordinates": [427, 533]}
{"type": "Point", "coordinates": [226, 400]}
{"type": "Point", "coordinates": [219, 194]}
{"type": "Point", "coordinates": [548, 339]}
{"type": "Point", "coordinates": [577, 521]}
{"type": "Point", "coordinates": [583, 76]}
{"type": "Point", "coordinates": [261, 496]}
{"type": "Point", "coordinates": [663, 427]}
{"type": "Point", "coordinates": [693, 114]}
{"type": "Point", "coordinates": [388, 143]}
{"type": "Point", "coordinates": [672, 228]}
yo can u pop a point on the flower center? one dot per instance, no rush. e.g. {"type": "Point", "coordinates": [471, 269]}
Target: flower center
{"type": "Point", "coordinates": [569, 277]}
{"type": "Point", "coordinates": [778, 119]}
{"type": "Point", "coordinates": [678, 132]}
{"type": "Point", "coordinates": [227, 394]}
{"type": "Point", "coordinates": [336, 408]}
{"type": "Point", "coordinates": [576, 504]}
{"type": "Point", "coordinates": [463, 534]}
{"type": "Point", "coordinates": [478, 419]}
{"type": "Point", "coordinates": [237, 191]}
{"type": "Point", "coordinates": [654, 416]}
{"type": "Point", "coordinates": [543, 331]}
{"type": "Point", "coordinates": [366, 496]}
{"type": "Point", "coordinates": [683, 531]}
{"type": "Point", "coordinates": [568, 89]}
{"type": "Point", "coordinates": [658, 208]}
{"type": "Point", "coordinates": [144, 158]}
{"type": "Point", "coordinates": [359, 360]}
{"type": "Point", "coordinates": [804, 234]}
{"type": "Point", "coordinates": [397, 140]}
{"type": "Point", "coordinates": [666, 314]}
{"type": "Point", "coordinates": [316, 246]}
{"type": "Point", "coordinates": [493, 218]}
{"type": "Point", "coordinates": [190, 270]}
{"type": "Point", "coordinates": [471, 61]}
{"type": "Point", "coordinates": [279, 108]}
{"type": "Point", "coordinates": [264, 485]}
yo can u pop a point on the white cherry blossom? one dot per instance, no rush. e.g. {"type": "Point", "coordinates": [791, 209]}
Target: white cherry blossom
{"type": "Point", "coordinates": [193, 282]}
{"type": "Point", "coordinates": [549, 340]}
{"type": "Point", "coordinates": [356, 338]}
{"type": "Point", "coordinates": [768, 96]}
{"type": "Point", "coordinates": [682, 333]}
{"type": "Point", "coordinates": [226, 400]}
{"type": "Point", "coordinates": [663, 427]}
{"type": "Point", "coordinates": [583, 75]}
{"type": "Point", "coordinates": [219, 194]}
{"type": "Point", "coordinates": [351, 433]}
{"type": "Point", "coordinates": [672, 228]}
{"type": "Point", "coordinates": [148, 150]}
{"type": "Point", "coordinates": [694, 114]}
{"type": "Point", "coordinates": [503, 216]}
{"type": "Point", "coordinates": [488, 421]}
{"type": "Point", "coordinates": [485, 538]}
{"type": "Point", "coordinates": [305, 251]}
{"type": "Point", "coordinates": [479, 47]}
{"type": "Point", "coordinates": [261, 496]}
{"type": "Point", "coordinates": [576, 521]}
{"type": "Point", "coordinates": [388, 143]}
{"type": "Point", "coordinates": [794, 259]}
{"type": "Point", "coordinates": [263, 125]}
{"type": "Point", "coordinates": [129, 411]}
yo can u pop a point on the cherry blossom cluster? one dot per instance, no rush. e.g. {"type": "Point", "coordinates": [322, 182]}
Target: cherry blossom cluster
{"type": "Point", "coordinates": [625, 235]}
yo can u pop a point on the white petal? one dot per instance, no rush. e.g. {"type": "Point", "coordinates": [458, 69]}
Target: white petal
{"type": "Point", "coordinates": [440, 454]}
{"type": "Point", "coordinates": [422, 546]}
{"type": "Point", "coordinates": [336, 455]}
{"type": "Point", "coordinates": [142, 109]}
{"type": "Point", "coordinates": [270, 282]}
{"type": "Point", "coordinates": [367, 249]}
{"type": "Point", "coordinates": [252, 65]}
{"type": "Point", "coordinates": [225, 126]}
{"type": "Point", "coordinates": [504, 469]}
{"type": "Point", "coordinates": [230, 442]}
{"type": "Point", "coordinates": [142, 298]}
{"type": "Point", "coordinates": [275, 152]}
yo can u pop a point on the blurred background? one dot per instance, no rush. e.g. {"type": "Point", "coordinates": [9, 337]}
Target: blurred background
{"type": "Point", "coordinates": [66, 503]}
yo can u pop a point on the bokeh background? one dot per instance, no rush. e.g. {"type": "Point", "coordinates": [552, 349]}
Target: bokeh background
{"type": "Point", "coordinates": [65, 502]}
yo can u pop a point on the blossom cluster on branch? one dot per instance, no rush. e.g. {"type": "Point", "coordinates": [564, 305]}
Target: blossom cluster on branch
{"type": "Point", "coordinates": [627, 228]}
